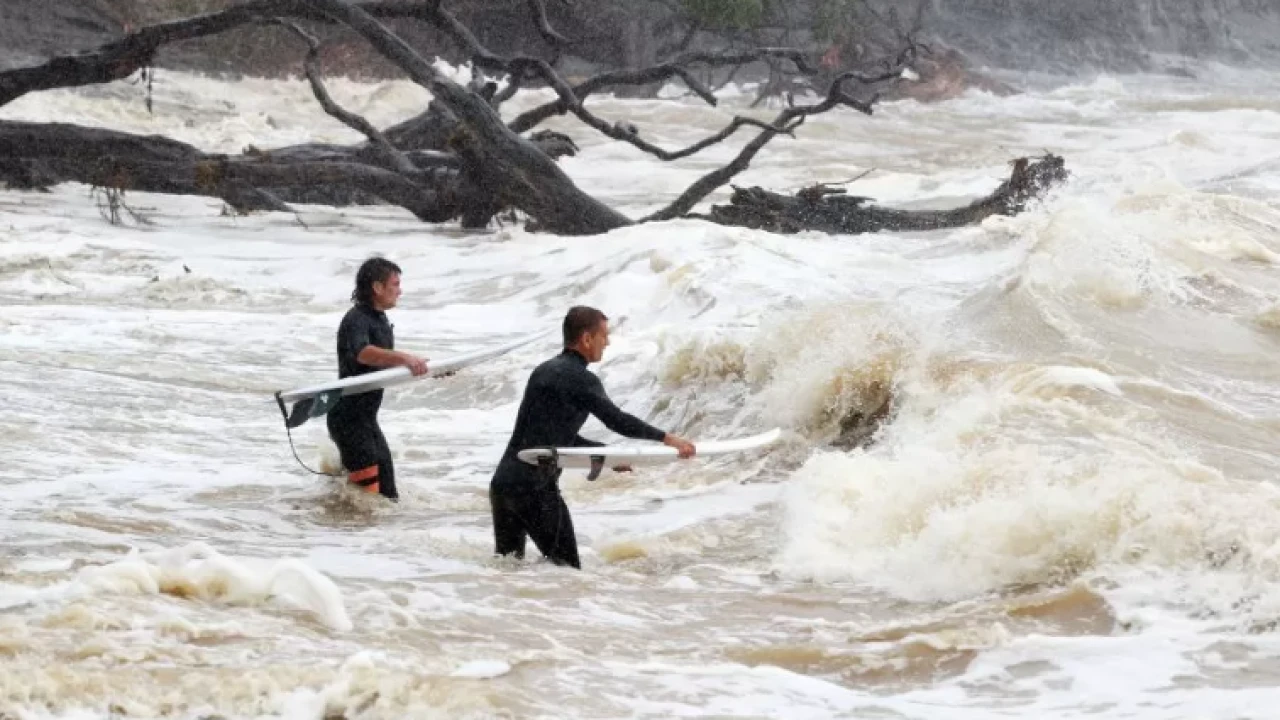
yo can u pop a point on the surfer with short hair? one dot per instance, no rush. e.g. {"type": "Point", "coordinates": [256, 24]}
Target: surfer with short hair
{"type": "Point", "coordinates": [560, 394]}
{"type": "Point", "coordinates": [366, 343]}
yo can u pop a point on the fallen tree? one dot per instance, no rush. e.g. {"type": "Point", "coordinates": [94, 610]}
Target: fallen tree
{"type": "Point", "coordinates": [827, 208]}
{"type": "Point", "coordinates": [458, 160]}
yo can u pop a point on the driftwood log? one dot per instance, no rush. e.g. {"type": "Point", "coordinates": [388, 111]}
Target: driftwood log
{"type": "Point", "coordinates": [828, 209]}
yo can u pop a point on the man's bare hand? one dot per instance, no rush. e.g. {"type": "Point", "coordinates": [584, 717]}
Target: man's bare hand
{"type": "Point", "coordinates": [416, 365]}
{"type": "Point", "coordinates": [682, 446]}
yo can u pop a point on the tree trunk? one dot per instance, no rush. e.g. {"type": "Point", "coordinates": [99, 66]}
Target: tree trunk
{"type": "Point", "coordinates": [37, 155]}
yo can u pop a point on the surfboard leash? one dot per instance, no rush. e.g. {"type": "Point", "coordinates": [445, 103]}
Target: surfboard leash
{"type": "Point", "coordinates": [289, 432]}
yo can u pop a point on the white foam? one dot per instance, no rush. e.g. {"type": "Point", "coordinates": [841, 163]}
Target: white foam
{"type": "Point", "coordinates": [482, 669]}
{"type": "Point", "coordinates": [200, 570]}
{"type": "Point", "coordinates": [1010, 482]}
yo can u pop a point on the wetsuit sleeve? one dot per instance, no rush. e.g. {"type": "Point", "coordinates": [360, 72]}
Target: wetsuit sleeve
{"type": "Point", "coordinates": [592, 398]}
{"type": "Point", "coordinates": [579, 441]}
{"type": "Point", "coordinates": [354, 337]}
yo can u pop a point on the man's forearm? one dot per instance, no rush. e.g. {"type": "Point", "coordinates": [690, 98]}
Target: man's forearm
{"type": "Point", "coordinates": [374, 356]}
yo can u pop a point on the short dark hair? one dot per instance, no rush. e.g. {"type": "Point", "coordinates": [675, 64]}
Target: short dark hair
{"type": "Point", "coordinates": [581, 320]}
{"type": "Point", "coordinates": [374, 270]}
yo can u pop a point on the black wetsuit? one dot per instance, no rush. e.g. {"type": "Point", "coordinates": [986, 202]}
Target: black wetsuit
{"type": "Point", "coordinates": [525, 499]}
{"type": "Point", "coordinates": [353, 421]}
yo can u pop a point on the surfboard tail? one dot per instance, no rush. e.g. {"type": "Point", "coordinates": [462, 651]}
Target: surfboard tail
{"type": "Point", "coordinates": [307, 408]}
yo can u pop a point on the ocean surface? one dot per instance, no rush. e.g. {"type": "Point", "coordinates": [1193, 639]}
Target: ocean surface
{"type": "Point", "coordinates": [1073, 511]}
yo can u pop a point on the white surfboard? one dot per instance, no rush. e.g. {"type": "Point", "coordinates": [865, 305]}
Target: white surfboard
{"type": "Point", "coordinates": [315, 400]}
{"type": "Point", "coordinates": [597, 458]}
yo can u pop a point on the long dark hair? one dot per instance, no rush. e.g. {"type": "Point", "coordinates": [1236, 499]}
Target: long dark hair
{"type": "Point", "coordinates": [373, 270]}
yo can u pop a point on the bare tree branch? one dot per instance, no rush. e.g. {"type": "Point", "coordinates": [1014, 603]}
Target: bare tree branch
{"type": "Point", "coordinates": [696, 86]}
{"type": "Point", "coordinates": [798, 57]}
{"type": "Point", "coordinates": [121, 58]}
{"type": "Point", "coordinates": [733, 73]}
{"type": "Point", "coordinates": [627, 134]}
{"type": "Point", "coordinates": [789, 119]}
{"type": "Point", "coordinates": [513, 86]}
{"type": "Point", "coordinates": [393, 157]}
{"type": "Point", "coordinates": [644, 76]}
{"type": "Point", "coordinates": [853, 179]}
{"type": "Point", "coordinates": [481, 56]}
{"type": "Point", "coordinates": [540, 21]}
